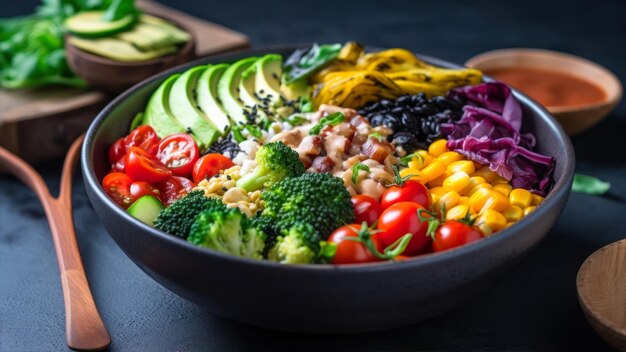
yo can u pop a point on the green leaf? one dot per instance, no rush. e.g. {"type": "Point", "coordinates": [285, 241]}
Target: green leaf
{"type": "Point", "coordinates": [304, 62]}
{"type": "Point", "coordinates": [355, 171]}
{"type": "Point", "coordinates": [404, 161]}
{"type": "Point", "coordinates": [329, 120]}
{"type": "Point", "coordinates": [590, 185]}
{"type": "Point", "coordinates": [376, 135]}
{"type": "Point", "coordinates": [297, 120]}
{"type": "Point", "coordinates": [119, 9]}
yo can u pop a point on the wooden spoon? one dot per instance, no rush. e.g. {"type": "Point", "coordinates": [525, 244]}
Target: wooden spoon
{"type": "Point", "coordinates": [601, 285]}
{"type": "Point", "coordinates": [84, 327]}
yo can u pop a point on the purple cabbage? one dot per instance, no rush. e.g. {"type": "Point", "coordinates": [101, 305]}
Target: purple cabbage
{"type": "Point", "coordinates": [489, 133]}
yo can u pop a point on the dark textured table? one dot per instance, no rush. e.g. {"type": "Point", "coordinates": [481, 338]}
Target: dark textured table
{"type": "Point", "coordinates": [533, 306]}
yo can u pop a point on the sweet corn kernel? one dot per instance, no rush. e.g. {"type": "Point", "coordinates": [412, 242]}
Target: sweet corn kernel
{"type": "Point", "coordinates": [536, 199]}
{"type": "Point", "coordinates": [529, 210]}
{"type": "Point", "coordinates": [438, 191]}
{"type": "Point", "coordinates": [492, 218]}
{"type": "Point", "coordinates": [450, 157]}
{"type": "Point", "coordinates": [499, 180]}
{"type": "Point", "coordinates": [427, 158]}
{"type": "Point", "coordinates": [438, 147]}
{"type": "Point", "coordinates": [477, 187]}
{"type": "Point", "coordinates": [503, 188]}
{"type": "Point", "coordinates": [479, 198]}
{"type": "Point", "coordinates": [449, 200]}
{"type": "Point", "coordinates": [496, 201]}
{"type": "Point", "coordinates": [485, 229]}
{"type": "Point", "coordinates": [474, 181]}
{"type": "Point", "coordinates": [462, 165]}
{"type": "Point", "coordinates": [464, 200]}
{"type": "Point", "coordinates": [439, 180]}
{"type": "Point", "coordinates": [513, 213]}
{"type": "Point", "coordinates": [415, 174]}
{"type": "Point", "coordinates": [433, 170]}
{"type": "Point", "coordinates": [520, 197]}
{"type": "Point", "coordinates": [457, 212]}
{"type": "Point", "coordinates": [486, 173]}
{"type": "Point", "coordinates": [456, 182]}
{"type": "Point", "coordinates": [416, 163]}
{"type": "Point", "coordinates": [508, 224]}
{"type": "Point", "coordinates": [434, 198]}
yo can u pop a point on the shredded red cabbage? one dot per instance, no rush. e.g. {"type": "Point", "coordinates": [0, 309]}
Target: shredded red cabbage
{"type": "Point", "coordinates": [489, 133]}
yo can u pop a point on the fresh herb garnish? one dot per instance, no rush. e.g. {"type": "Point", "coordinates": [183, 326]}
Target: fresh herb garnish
{"type": "Point", "coordinates": [304, 62]}
{"type": "Point", "coordinates": [355, 171]}
{"type": "Point", "coordinates": [254, 130]}
{"type": "Point", "coordinates": [237, 135]}
{"type": "Point", "coordinates": [330, 120]}
{"type": "Point", "coordinates": [590, 185]}
{"type": "Point", "coordinates": [306, 105]}
{"type": "Point", "coordinates": [404, 161]}
{"type": "Point", "coordinates": [296, 120]}
{"type": "Point", "coordinates": [376, 135]}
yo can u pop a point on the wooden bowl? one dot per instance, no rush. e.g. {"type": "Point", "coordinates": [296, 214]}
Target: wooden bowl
{"type": "Point", "coordinates": [116, 76]}
{"type": "Point", "coordinates": [601, 285]}
{"type": "Point", "coordinates": [574, 119]}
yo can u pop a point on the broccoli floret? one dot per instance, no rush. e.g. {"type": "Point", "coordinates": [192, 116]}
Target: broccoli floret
{"type": "Point", "coordinates": [317, 199]}
{"type": "Point", "coordinates": [299, 244]}
{"type": "Point", "coordinates": [275, 161]}
{"type": "Point", "coordinates": [228, 231]}
{"type": "Point", "coordinates": [178, 217]}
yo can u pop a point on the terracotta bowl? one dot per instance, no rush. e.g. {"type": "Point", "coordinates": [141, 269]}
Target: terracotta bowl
{"type": "Point", "coordinates": [574, 119]}
{"type": "Point", "coordinates": [116, 76]}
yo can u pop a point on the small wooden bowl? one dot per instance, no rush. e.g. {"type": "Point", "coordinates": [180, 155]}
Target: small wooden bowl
{"type": "Point", "coordinates": [601, 285]}
{"type": "Point", "coordinates": [574, 119]}
{"type": "Point", "coordinates": [116, 76]}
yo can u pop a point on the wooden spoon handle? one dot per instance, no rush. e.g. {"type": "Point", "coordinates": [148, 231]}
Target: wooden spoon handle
{"type": "Point", "coordinates": [84, 327]}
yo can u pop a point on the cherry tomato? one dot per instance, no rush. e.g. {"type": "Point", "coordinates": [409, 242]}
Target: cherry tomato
{"type": "Point", "coordinates": [400, 219]}
{"type": "Point", "coordinates": [117, 186]}
{"type": "Point", "coordinates": [173, 188]}
{"type": "Point", "coordinates": [179, 152]}
{"type": "Point", "coordinates": [349, 251]}
{"type": "Point", "coordinates": [453, 233]}
{"type": "Point", "coordinates": [210, 165]}
{"type": "Point", "coordinates": [366, 209]}
{"type": "Point", "coordinates": [143, 137]}
{"type": "Point", "coordinates": [117, 151]}
{"type": "Point", "coordinates": [410, 191]}
{"type": "Point", "coordinates": [139, 189]}
{"type": "Point", "coordinates": [141, 166]}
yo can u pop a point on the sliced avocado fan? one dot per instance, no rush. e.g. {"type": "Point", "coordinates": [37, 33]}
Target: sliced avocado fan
{"type": "Point", "coordinates": [208, 101]}
{"type": "Point", "coordinates": [158, 114]}
{"type": "Point", "coordinates": [228, 87]}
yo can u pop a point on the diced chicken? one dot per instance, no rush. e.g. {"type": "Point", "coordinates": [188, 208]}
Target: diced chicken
{"type": "Point", "coordinates": [344, 129]}
{"type": "Point", "coordinates": [322, 164]}
{"type": "Point", "coordinates": [329, 109]}
{"type": "Point", "coordinates": [310, 145]}
{"type": "Point", "coordinates": [353, 160]}
{"type": "Point", "coordinates": [371, 188]}
{"type": "Point", "coordinates": [291, 138]}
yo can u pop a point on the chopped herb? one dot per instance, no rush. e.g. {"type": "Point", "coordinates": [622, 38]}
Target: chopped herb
{"type": "Point", "coordinates": [306, 105]}
{"type": "Point", "coordinates": [404, 161]}
{"type": "Point", "coordinates": [376, 135]}
{"type": "Point", "coordinates": [296, 120]}
{"type": "Point", "coordinates": [355, 171]}
{"type": "Point", "coordinates": [330, 120]}
{"type": "Point", "coordinates": [590, 185]}
{"type": "Point", "coordinates": [237, 135]}
{"type": "Point", "coordinates": [254, 130]}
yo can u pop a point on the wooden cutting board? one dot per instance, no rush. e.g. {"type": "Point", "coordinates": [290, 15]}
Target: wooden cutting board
{"type": "Point", "coordinates": [40, 124]}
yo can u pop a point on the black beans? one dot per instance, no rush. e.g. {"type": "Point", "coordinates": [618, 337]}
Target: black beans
{"type": "Point", "coordinates": [414, 119]}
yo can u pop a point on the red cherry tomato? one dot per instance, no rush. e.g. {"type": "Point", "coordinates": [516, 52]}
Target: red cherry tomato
{"type": "Point", "coordinates": [366, 209]}
{"type": "Point", "coordinates": [410, 191]}
{"type": "Point", "coordinates": [117, 151]}
{"type": "Point", "coordinates": [117, 186]}
{"type": "Point", "coordinates": [120, 165]}
{"type": "Point", "coordinates": [179, 152]}
{"type": "Point", "coordinates": [141, 166]}
{"type": "Point", "coordinates": [173, 188]}
{"type": "Point", "coordinates": [400, 219]}
{"type": "Point", "coordinates": [143, 137]}
{"type": "Point", "coordinates": [348, 251]}
{"type": "Point", "coordinates": [210, 165]}
{"type": "Point", "coordinates": [139, 189]}
{"type": "Point", "coordinates": [453, 233]}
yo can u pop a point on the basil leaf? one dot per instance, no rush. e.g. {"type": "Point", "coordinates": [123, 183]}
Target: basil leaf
{"type": "Point", "coordinates": [355, 171]}
{"type": "Point", "coordinates": [329, 120]}
{"type": "Point", "coordinates": [590, 185]}
{"type": "Point", "coordinates": [304, 62]}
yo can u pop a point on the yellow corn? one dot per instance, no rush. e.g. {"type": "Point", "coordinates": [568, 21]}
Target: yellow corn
{"type": "Point", "coordinates": [536, 199]}
{"type": "Point", "coordinates": [520, 197]}
{"type": "Point", "coordinates": [439, 180]}
{"type": "Point", "coordinates": [462, 165]}
{"type": "Point", "coordinates": [433, 170]}
{"type": "Point", "coordinates": [496, 201]}
{"type": "Point", "coordinates": [477, 187]}
{"type": "Point", "coordinates": [438, 147]}
{"type": "Point", "coordinates": [529, 210]}
{"type": "Point", "coordinates": [415, 174]}
{"type": "Point", "coordinates": [486, 173]}
{"type": "Point", "coordinates": [485, 229]}
{"type": "Point", "coordinates": [427, 158]}
{"type": "Point", "coordinates": [449, 200]}
{"type": "Point", "coordinates": [492, 218]}
{"type": "Point", "coordinates": [503, 188]}
{"type": "Point", "coordinates": [457, 212]}
{"type": "Point", "coordinates": [479, 198]}
{"type": "Point", "coordinates": [474, 181]}
{"type": "Point", "coordinates": [477, 165]}
{"type": "Point", "coordinates": [438, 191]}
{"type": "Point", "coordinates": [508, 224]}
{"type": "Point", "coordinates": [499, 180]}
{"type": "Point", "coordinates": [513, 213]}
{"type": "Point", "coordinates": [456, 182]}
{"type": "Point", "coordinates": [450, 157]}
{"type": "Point", "coordinates": [464, 200]}
{"type": "Point", "coordinates": [434, 198]}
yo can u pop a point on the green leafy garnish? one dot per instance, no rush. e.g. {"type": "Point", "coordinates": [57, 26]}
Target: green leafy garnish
{"type": "Point", "coordinates": [330, 120]}
{"type": "Point", "coordinates": [355, 171]}
{"type": "Point", "coordinates": [306, 105]}
{"type": "Point", "coordinates": [404, 161]}
{"type": "Point", "coordinates": [254, 130]}
{"type": "Point", "coordinates": [304, 62]}
{"type": "Point", "coordinates": [237, 135]}
{"type": "Point", "coordinates": [119, 9]}
{"type": "Point", "coordinates": [590, 185]}
{"type": "Point", "coordinates": [296, 120]}
{"type": "Point", "coordinates": [376, 135]}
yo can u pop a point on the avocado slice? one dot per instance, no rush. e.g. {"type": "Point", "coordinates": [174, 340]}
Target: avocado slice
{"type": "Point", "coordinates": [119, 50]}
{"type": "Point", "coordinates": [148, 37]}
{"type": "Point", "coordinates": [269, 70]}
{"type": "Point", "coordinates": [228, 87]}
{"type": "Point", "coordinates": [206, 93]}
{"type": "Point", "coordinates": [172, 30]}
{"type": "Point", "coordinates": [92, 24]}
{"type": "Point", "coordinates": [158, 114]}
{"type": "Point", "coordinates": [185, 109]}
{"type": "Point", "coordinates": [296, 90]}
{"type": "Point", "coordinates": [248, 94]}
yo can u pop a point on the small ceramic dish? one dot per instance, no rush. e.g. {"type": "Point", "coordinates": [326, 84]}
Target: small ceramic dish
{"type": "Point", "coordinates": [115, 76]}
{"type": "Point", "coordinates": [574, 119]}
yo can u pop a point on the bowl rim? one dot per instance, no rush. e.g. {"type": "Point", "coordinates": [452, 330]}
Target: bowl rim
{"type": "Point", "coordinates": [561, 187]}
{"type": "Point", "coordinates": [613, 96]}
{"type": "Point", "coordinates": [184, 50]}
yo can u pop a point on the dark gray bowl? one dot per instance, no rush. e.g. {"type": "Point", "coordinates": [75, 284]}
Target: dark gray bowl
{"type": "Point", "coordinates": [317, 298]}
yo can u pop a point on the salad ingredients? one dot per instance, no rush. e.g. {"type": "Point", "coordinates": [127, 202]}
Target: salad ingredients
{"type": "Point", "coordinates": [173, 188]}
{"type": "Point", "coordinates": [409, 191]}
{"type": "Point", "coordinates": [455, 233]}
{"type": "Point", "coordinates": [304, 62]}
{"type": "Point", "coordinates": [590, 185]}
{"type": "Point", "coordinates": [179, 153]}
{"type": "Point", "coordinates": [400, 219]}
{"type": "Point", "coordinates": [141, 166]}
{"type": "Point", "coordinates": [300, 244]}
{"type": "Point", "coordinates": [140, 189]}
{"type": "Point", "coordinates": [143, 137]}
{"type": "Point", "coordinates": [274, 162]}
{"type": "Point", "coordinates": [178, 218]}
{"type": "Point", "coordinates": [366, 209]}
{"type": "Point", "coordinates": [223, 185]}
{"type": "Point", "coordinates": [146, 209]}
{"type": "Point", "coordinates": [94, 24]}
{"type": "Point", "coordinates": [349, 250]}
{"type": "Point", "coordinates": [210, 165]}
{"type": "Point", "coordinates": [117, 186]}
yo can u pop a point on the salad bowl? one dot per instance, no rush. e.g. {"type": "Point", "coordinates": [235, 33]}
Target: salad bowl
{"type": "Point", "coordinates": [318, 298]}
